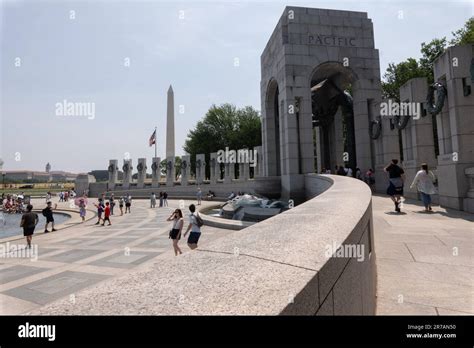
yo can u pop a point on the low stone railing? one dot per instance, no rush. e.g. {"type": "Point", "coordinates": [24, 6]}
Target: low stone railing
{"type": "Point", "coordinates": [271, 187]}
{"type": "Point", "coordinates": [280, 266]}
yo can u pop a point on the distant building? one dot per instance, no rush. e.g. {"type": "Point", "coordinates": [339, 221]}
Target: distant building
{"type": "Point", "coordinates": [18, 175]}
{"type": "Point", "coordinates": [62, 176]}
{"type": "Point", "coordinates": [48, 167]}
{"type": "Point", "coordinates": [22, 175]}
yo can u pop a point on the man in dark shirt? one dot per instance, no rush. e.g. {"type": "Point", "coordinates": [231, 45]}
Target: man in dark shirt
{"type": "Point", "coordinates": [29, 220]}
{"type": "Point", "coordinates": [48, 214]}
{"type": "Point", "coordinates": [396, 177]}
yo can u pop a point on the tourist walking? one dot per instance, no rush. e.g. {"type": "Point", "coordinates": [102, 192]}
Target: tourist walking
{"type": "Point", "coordinates": [161, 199]}
{"type": "Point", "coordinates": [175, 233]}
{"type": "Point", "coordinates": [106, 214]}
{"type": "Point", "coordinates": [370, 179]}
{"type": "Point", "coordinates": [165, 199]}
{"type": "Point", "coordinates": [121, 201]}
{"type": "Point", "coordinates": [424, 182]}
{"type": "Point", "coordinates": [112, 203]}
{"type": "Point", "coordinates": [29, 220]}
{"type": "Point", "coordinates": [395, 189]}
{"type": "Point", "coordinates": [82, 209]}
{"type": "Point", "coordinates": [128, 203]}
{"type": "Point", "coordinates": [152, 200]}
{"type": "Point", "coordinates": [195, 223]}
{"type": "Point", "coordinates": [48, 214]}
{"type": "Point", "coordinates": [358, 174]}
{"type": "Point", "coordinates": [199, 195]}
{"type": "Point", "coordinates": [100, 209]}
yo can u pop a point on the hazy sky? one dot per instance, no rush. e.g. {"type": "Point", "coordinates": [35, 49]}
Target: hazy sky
{"type": "Point", "coordinates": [48, 57]}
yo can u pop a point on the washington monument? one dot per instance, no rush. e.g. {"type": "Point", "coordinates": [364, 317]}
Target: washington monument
{"type": "Point", "coordinates": [170, 124]}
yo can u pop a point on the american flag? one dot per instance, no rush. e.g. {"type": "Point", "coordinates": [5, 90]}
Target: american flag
{"type": "Point", "coordinates": [152, 139]}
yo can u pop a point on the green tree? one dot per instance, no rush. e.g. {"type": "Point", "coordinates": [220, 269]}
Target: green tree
{"type": "Point", "coordinates": [224, 126]}
{"type": "Point", "coordinates": [465, 35]}
{"type": "Point", "coordinates": [430, 51]}
{"type": "Point", "coordinates": [398, 74]}
{"type": "Point", "coordinates": [177, 164]}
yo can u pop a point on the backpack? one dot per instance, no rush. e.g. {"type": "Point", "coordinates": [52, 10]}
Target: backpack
{"type": "Point", "coordinates": [44, 212]}
{"type": "Point", "coordinates": [199, 220]}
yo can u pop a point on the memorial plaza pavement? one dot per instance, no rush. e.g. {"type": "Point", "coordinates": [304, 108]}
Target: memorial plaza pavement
{"type": "Point", "coordinates": [424, 260]}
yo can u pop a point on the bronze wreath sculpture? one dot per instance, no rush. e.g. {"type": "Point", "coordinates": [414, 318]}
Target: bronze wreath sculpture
{"type": "Point", "coordinates": [432, 107]}
{"type": "Point", "coordinates": [377, 123]}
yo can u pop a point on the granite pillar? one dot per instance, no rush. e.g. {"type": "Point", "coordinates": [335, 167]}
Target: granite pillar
{"type": "Point", "coordinates": [185, 169]}
{"type": "Point", "coordinates": [213, 168]}
{"type": "Point", "coordinates": [127, 173]}
{"type": "Point", "coordinates": [455, 127]}
{"type": "Point", "coordinates": [141, 167]}
{"type": "Point", "coordinates": [170, 171]}
{"type": "Point", "coordinates": [227, 177]}
{"type": "Point", "coordinates": [155, 172]}
{"type": "Point", "coordinates": [200, 168]}
{"type": "Point", "coordinates": [417, 136]}
{"type": "Point", "coordinates": [257, 170]}
{"type": "Point", "coordinates": [113, 173]}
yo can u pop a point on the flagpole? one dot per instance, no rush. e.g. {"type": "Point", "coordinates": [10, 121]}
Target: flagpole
{"type": "Point", "coordinates": [156, 140]}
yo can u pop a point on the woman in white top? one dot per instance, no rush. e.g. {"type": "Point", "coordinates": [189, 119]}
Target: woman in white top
{"type": "Point", "coordinates": [424, 182]}
{"type": "Point", "coordinates": [175, 233]}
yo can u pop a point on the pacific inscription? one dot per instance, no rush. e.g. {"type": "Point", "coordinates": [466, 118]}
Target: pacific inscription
{"type": "Point", "coordinates": [329, 40]}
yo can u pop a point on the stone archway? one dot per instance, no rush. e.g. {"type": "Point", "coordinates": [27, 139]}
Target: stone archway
{"type": "Point", "coordinates": [307, 47]}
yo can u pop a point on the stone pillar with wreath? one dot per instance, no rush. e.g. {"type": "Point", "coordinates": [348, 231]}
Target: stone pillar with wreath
{"type": "Point", "coordinates": [416, 130]}
{"type": "Point", "coordinates": [113, 171]}
{"type": "Point", "coordinates": [127, 173]}
{"type": "Point", "coordinates": [141, 167]}
{"type": "Point", "coordinates": [451, 99]}
{"type": "Point", "coordinates": [200, 168]}
{"type": "Point", "coordinates": [170, 171]}
{"type": "Point", "coordinates": [155, 172]}
{"type": "Point", "coordinates": [185, 169]}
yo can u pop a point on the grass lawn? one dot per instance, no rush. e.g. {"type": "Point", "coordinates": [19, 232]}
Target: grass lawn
{"type": "Point", "coordinates": [31, 192]}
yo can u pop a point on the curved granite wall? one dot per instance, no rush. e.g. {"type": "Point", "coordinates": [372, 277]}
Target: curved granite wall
{"type": "Point", "coordinates": [279, 266]}
{"type": "Point", "coordinates": [346, 285]}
